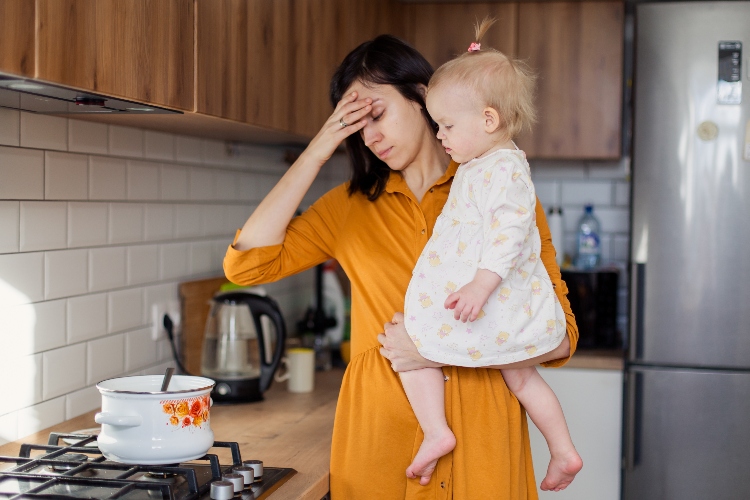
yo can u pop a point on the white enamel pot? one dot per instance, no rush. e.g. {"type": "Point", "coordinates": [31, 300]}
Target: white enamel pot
{"type": "Point", "coordinates": [143, 425]}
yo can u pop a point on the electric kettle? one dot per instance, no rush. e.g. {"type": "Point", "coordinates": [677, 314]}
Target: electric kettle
{"type": "Point", "coordinates": [244, 340]}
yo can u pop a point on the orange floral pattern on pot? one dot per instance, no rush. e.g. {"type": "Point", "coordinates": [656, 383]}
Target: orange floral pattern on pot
{"type": "Point", "coordinates": [187, 412]}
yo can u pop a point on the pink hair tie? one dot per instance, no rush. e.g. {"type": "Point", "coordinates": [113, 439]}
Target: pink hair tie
{"type": "Point", "coordinates": [474, 47]}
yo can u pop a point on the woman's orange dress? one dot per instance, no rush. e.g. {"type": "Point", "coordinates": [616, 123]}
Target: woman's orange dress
{"type": "Point", "coordinates": [375, 434]}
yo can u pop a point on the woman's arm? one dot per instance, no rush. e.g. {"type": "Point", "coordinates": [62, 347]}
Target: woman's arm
{"type": "Point", "coordinates": [268, 223]}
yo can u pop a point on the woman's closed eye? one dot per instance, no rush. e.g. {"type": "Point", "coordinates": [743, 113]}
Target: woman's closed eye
{"type": "Point", "coordinates": [376, 118]}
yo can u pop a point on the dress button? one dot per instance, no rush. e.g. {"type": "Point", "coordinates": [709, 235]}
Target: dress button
{"type": "Point", "coordinates": [442, 485]}
{"type": "Point", "coordinates": [432, 190]}
{"type": "Point", "coordinates": [423, 231]}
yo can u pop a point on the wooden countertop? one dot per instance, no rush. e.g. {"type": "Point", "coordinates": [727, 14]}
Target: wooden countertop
{"type": "Point", "coordinates": [597, 359]}
{"type": "Point", "coordinates": [285, 430]}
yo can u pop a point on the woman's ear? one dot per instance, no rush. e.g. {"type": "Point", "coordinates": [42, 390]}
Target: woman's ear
{"type": "Point", "coordinates": [422, 88]}
{"type": "Point", "coordinates": [491, 120]}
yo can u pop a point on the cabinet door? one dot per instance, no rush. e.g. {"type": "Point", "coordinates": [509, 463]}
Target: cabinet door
{"type": "Point", "coordinates": [576, 49]}
{"type": "Point", "coordinates": [17, 37]}
{"type": "Point", "coordinates": [140, 50]}
{"type": "Point", "coordinates": [443, 31]}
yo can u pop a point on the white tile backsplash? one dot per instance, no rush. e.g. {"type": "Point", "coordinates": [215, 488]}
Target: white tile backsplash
{"type": "Point", "coordinates": [87, 224]}
{"type": "Point", "coordinates": [173, 260]}
{"type": "Point", "coordinates": [10, 126]}
{"type": "Point", "coordinates": [82, 401]}
{"type": "Point", "coordinates": [597, 193]}
{"type": "Point", "coordinates": [66, 176]}
{"type": "Point", "coordinates": [86, 317]}
{"type": "Point", "coordinates": [43, 225]}
{"type": "Point", "coordinates": [188, 149]}
{"type": "Point", "coordinates": [158, 145]}
{"type": "Point", "coordinates": [26, 372]}
{"type": "Point", "coordinates": [35, 418]}
{"type": "Point", "coordinates": [143, 180]}
{"type": "Point", "coordinates": [66, 273]}
{"type": "Point", "coordinates": [9, 226]}
{"type": "Point", "coordinates": [88, 137]}
{"type": "Point", "coordinates": [126, 221]}
{"type": "Point", "coordinates": [188, 220]}
{"type": "Point", "coordinates": [105, 358]}
{"type": "Point", "coordinates": [22, 174]}
{"type": "Point", "coordinates": [174, 183]}
{"type": "Point", "coordinates": [201, 258]}
{"type": "Point", "coordinates": [8, 427]}
{"type": "Point", "coordinates": [64, 370]}
{"type": "Point", "coordinates": [201, 183]}
{"type": "Point", "coordinates": [142, 264]}
{"type": "Point", "coordinates": [139, 350]}
{"type": "Point", "coordinates": [44, 131]}
{"type": "Point", "coordinates": [125, 141]}
{"type": "Point", "coordinates": [107, 268]}
{"type": "Point", "coordinates": [21, 278]}
{"type": "Point", "coordinates": [47, 327]}
{"type": "Point", "coordinates": [159, 222]}
{"type": "Point", "coordinates": [125, 310]}
{"type": "Point", "coordinates": [107, 178]}
{"type": "Point", "coordinates": [227, 185]}
{"type": "Point", "coordinates": [622, 194]}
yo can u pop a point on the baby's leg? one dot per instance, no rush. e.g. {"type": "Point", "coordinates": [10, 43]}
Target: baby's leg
{"type": "Point", "coordinates": [426, 392]}
{"type": "Point", "coordinates": [545, 411]}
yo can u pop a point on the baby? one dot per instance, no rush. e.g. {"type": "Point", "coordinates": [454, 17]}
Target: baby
{"type": "Point", "coordinates": [482, 264]}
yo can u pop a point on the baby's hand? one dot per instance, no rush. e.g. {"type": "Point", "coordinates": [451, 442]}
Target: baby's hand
{"type": "Point", "coordinates": [466, 302]}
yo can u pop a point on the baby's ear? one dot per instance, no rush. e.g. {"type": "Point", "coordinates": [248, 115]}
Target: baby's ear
{"type": "Point", "coordinates": [491, 120]}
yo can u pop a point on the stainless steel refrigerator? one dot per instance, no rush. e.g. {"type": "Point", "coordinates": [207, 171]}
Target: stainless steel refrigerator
{"type": "Point", "coordinates": [687, 403]}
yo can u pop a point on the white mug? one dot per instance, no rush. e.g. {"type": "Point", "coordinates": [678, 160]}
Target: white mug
{"type": "Point", "coordinates": [300, 369]}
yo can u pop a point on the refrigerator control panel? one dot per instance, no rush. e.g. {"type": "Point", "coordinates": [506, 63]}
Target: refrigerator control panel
{"type": "Point", "coordinates": [730, 73]}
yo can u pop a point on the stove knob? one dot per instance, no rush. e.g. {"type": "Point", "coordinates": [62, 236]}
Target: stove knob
{"type": "Point", "coordinates": [223, 389]}
{"type": "Point", "coordinates": [247, 473]}
{"type": "Point", "coordinates": [222, 490]}
{"type": "Point", "coordinates": [257, 466]}
{"type": "Point", "coordinates": [236, 480]}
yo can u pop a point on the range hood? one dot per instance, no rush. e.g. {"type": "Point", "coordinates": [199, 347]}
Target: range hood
{"type": "Point", "coordinates": [38, 96]}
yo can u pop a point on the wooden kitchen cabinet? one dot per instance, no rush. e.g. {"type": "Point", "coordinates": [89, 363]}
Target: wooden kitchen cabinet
{"type": "Point", "coordinates": [141, 50]}
{"type": "Point", "coordinates": [17, 37]}
{"type": "Point", "coordinates": [442, 31]}
{"type": "Point", "coordinates": [577, 50]}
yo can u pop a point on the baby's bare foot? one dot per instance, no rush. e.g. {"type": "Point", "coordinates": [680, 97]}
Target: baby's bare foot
{"type": "Point", "coordinates": [561, 471]}
{"type": "Point", "coordinates": [432, 448]}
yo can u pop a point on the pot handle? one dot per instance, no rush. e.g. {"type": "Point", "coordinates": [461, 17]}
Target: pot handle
{"type": "Point", "coordinates": [108, 418]}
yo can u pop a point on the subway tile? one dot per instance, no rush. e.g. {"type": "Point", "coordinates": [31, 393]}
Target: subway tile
{"type": "Point", "coordinates": [126, 223]}
{"type": "Point", "coordinates": [86, 317]}
{"type": "Point", "coordinates": [26, 389]}
{"type": "Point", "coordinates": [550, 169]}
{"type": "Point", "coordinates": [188, 220]}
{"type": "Point", "coordinates": [621, 247]}
{"type": "Point", "coordinates": [140, 350]}
{"type": "Point", "coordinates": [174, 183]}
{"type": "Point", "coordinates": [548, 193]}
{"type": "Point", "coordinates": [9, 226]}
{"type": "Point", "coordinates": [66, 176]}
{"type": "Point", "coordinates": [188, 149]}
{"type": "Point", "coordinates": [64, 370]}
{"type": "Point", "coordinates": [173, 261]}
{"type": "Point", "coordinates": [143, 180]}
{"type": "Point", "coordinates": [10, 125]}
{"type": "Point", "coordinates": [35, 418]}
{"type": "Point", "coordinates": [125, 310]}
{"type": "Point", "coordinates": [158, 145]}
{"type": "Point", "coordinates": [157, 294]}
{"type": "Point", "coordinates": [614, 220]}
{"type": "Point", "coordinates": [82, 401]}
{"type": "Point", "coordinates": [87, 224]}
{"type": "Point", "coordinates": [201, 184]}
{"type": "Point", "coordinates": [215, 152]}
{"type": "Point", "coordinates": [107, 178]}
{"type": "Point", "coordinates": [21, 278]}
{"type": "Point", "coordinates": [125, 141]}
{"type": "Point", "coordinates": [106, 358]}
{"type": "Point", "coordinates": [622, 194]}
{"type": "Point", "coordinates": [142, 264]}
{"type": "Point", "coordinates": [236, 216]}
{"type": "Point", "coordinates": [227, 185]}
{"type": "Point", "coordinates": [605, 246]}
{"type": "Point", "coordinates": [218, 251]}
{"type": "Point", "coordinates": [8, 427]}
{"type": "Point", "coordinates": [88, 137]}
{"type": "Point", "coordinates": [22, 174]}
{"type": "Point", "coordinates": [581, 193]}
{"type": "Point", "coordinates": [65, 273]}
{"type": "Point", "coordinates": [214, 223]}
{"type": "Point", "coordinates": [201, 257]}
{"type": "Point", "coordinates": [106, 268]}
{"type": "Point", "coordinates": [44, 131]}
{"type": "Point", "coordinates": [249, 187]}
{"type": "Point", "coordinates": [43, 225]}
{"type": "Point", "coordinates": [609, 169]}
{"type": "Point", "coordinates": [571, 245]}
{"type": "Point", "coordinates": [159, 222]}
{"type": "Point", "coordinates": [163, 353]}
{"type": "Point", "coordinates": [34, 327]}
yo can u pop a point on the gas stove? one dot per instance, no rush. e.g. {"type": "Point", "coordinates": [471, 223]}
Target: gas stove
{"type": "Point", "coordinates": [71, 466]}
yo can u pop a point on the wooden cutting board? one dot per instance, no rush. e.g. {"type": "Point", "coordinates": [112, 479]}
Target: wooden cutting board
{"type": "Point", "coordinates": [195, 298]}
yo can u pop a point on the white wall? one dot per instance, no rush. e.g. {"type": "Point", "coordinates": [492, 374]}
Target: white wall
{"type": "Point", "coordinates": [97, 223]}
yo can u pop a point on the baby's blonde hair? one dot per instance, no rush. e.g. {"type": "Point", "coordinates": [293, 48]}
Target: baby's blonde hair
{"type": "Point", "coordinates": [498, 81]}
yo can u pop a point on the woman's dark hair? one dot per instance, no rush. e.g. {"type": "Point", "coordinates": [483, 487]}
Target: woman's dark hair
{"type": "Point", "coordinates": [385, 60]}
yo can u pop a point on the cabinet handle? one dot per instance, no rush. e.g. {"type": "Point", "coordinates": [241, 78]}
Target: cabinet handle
{"type": "Point", "coordinates": [633, 420]}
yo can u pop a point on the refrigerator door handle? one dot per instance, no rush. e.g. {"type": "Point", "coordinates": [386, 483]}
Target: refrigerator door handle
{"type": "Point", "coordinates": [633, 420]}
{"type": "Point", "coordinates": [637, 305]}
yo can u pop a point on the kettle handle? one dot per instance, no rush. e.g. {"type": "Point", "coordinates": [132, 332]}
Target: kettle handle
{"type": "Point", "coordinates": [265, 306]}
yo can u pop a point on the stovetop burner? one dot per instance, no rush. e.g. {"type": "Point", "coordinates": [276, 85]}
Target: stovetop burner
{"type": "Point", "coordinates": [79, 470]}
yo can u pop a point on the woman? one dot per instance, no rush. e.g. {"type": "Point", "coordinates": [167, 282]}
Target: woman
{"type": "Point", "coordinates": [376, 226]}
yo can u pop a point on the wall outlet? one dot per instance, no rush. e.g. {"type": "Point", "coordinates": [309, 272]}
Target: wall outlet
{"type": "Point", "coordinates": [172, 308]}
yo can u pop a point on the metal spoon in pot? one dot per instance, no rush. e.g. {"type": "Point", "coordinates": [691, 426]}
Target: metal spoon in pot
{"type": "Point", "coordinates": [167, 378]}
